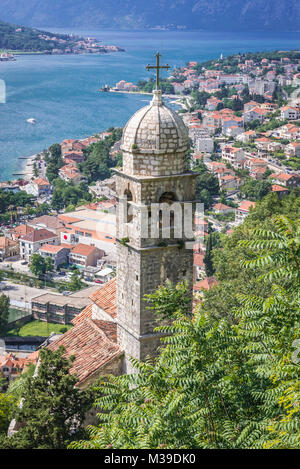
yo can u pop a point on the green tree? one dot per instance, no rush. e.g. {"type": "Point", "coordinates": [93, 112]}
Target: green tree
{"type": "Point", "coordinates": [4, 312]}
{"type": "Point", "coordinates": [37, 265]}
{"type": "Point", "coordinates": [53, 408]}
{"type": "Point", "coordinates": [49, 264]}
{"type": "Point", "coordinates": [7, 407]}
{"type": "Point", "coordinates": [75, 283]}
{"type": "Point", "coordinates": [209, 268]}
{"type": "Point", "coordinates": [255, 190]}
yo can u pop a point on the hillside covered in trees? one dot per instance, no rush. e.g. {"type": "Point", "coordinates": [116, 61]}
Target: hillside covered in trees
{"type": "Point", "coordinates": [20, 38]}
{"type": "Point", "coordinates": [216, 15]}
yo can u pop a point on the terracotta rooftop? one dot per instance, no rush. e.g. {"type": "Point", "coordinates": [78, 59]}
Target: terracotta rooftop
{"type": "Point", "coordinates": [221, 207]}
{"type": "Point", "coordinates": [199, 259]}
{"type": "Point", "coordinates": [83, 249]}
{"type": "Point", "coordinates": [205, 284]}
{"type": "Point", "coordinates": [23, 230]}
{"type": "Point", "coordinates": [93, 343]}
{"type": "Point", "coordinates": [10, 360]}
{"type": "Point", "coordinates": [50, 222]}
{"type": "Point", "coordinates": [53, 248]}
{"type": "Point", "coordinates": [105, 297]}
{"type": "Point", "coordinates": [41, 182]}
{"type": "Point", "coordinates": [276, 188]}
{"type": "Point", "coordinates": [245, 205]}
{"type": "Point", "coordinates": [282, 176]}
{"type": "Point", "coordinates": [38, 235]}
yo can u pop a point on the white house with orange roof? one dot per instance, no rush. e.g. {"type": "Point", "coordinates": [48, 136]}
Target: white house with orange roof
{"type": "Point", "coordinates": [70, 172]}
{"type": "Point", "coordinates": [292, 149]}
{"type": "Point", "coordinates": [39, 187]}
{"type": "Point", "coordinates": [33, 241]}
{"type": "Point", "coordinates": [84, 256]}
{"type": "Point", "coordinates": [58, 254]}
{"type": "Point", "coordinates": [255, 114]}
{"type": "Point", "coordinates": [286, 180]}
{"type": "Point", "coordinates": [250, 105]}
{"type": "Point", "coordinates": [243, 210]}
{"type": "Point", "coordinates": [212, 103]}
{"type": "Point", "coordinates": [11, 366]}
{"type": "Point", "coordinates": [289, 112]}
{"type": "Point", "coordinates": [234, 156]}
{"type": "Point", "coordinates": [247, 136]}
{"type": "Point", "coordinates": [230, 121]}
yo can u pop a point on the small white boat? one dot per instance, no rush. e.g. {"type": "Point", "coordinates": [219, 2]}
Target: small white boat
{"type": "Point", "coordinates": [31, 120]}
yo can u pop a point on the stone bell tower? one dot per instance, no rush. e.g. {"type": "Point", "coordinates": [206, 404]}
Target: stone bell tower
{"type": "Point", "coordinates": [155, 147]}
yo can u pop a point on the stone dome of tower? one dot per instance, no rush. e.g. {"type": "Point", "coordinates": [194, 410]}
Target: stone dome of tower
{"type": "Point", "coordinates": [152, 131]}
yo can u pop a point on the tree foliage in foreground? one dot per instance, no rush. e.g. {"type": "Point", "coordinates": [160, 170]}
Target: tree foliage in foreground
{"type": "Point", "coordinates": [229, 382]}
{"type": "Point", "coordinates": [53, 409]}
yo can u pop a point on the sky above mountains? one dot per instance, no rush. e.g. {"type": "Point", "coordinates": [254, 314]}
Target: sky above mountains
{"type": "Point", "coordinates": [247, 15]}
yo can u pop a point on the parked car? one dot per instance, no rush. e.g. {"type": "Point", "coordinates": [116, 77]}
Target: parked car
{"type": "Point", "coordinates": [98, 281]}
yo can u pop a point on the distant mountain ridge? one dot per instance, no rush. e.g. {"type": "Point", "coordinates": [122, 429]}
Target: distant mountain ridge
{"type": "Point", "coordinates": [230, 15]}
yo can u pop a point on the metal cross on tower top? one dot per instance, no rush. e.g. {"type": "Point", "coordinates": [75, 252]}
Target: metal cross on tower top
{"type": "Point", "coordinates": [157, 67]}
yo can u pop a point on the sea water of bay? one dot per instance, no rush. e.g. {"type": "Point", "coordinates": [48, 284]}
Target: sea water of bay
{"type": "Point", "coordinates": [60, 91]}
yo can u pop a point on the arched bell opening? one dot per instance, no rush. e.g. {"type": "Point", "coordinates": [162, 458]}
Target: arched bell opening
{"type": "Point", "coordinates": [129, 209]}
{"type": "Point", "coordinates": [167, 214]}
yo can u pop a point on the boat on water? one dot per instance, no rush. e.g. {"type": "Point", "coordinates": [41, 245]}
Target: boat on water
{"type": "Point", "coordinates": [31, 121]}
{"type": "Point", "coordinates": [105, 88]}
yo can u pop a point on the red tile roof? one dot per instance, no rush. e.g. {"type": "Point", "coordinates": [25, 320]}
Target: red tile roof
{"type": "Point", "coordinates": [13, 361]}
{"type": "Point", "coordinates": [276, 188]}
{"type": "Point", "coordinates": [105, 298]}
{"type": "Point", "coordinates": [246, 205]}
{"type": "Point", "coordinates": [39, 235]}
{"type": "Point", "coordinates": [220, 206]}
{"type": "Point", "coordinates": [199, 260]}
{"type": "Point", "coordinates": [93, 343]}
{"type": "Point", "coordinates": [41, 182]}
{"type": "Point", "coordinates": [83, 249]}
{"type": "Point", "coordinates": [205, 284]}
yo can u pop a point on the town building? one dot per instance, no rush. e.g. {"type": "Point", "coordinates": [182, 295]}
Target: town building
{"type": "Point", "coordinates": [58, 254]}
{"type": "Point", "coordinates": [59, 308]}
{"type": "Point", "coordinates": [83, 255]}
{"type": "Point", "coordinates": [39, 187]}
{"type": "Point", "coordinates": [8, 248]}
{"type": "Point", "coordinates": [243, 210]}
{"type": "Point", "coordinates": [286, 180]}
{"type": "Point", "coordinates": [11, 366]}
{"type": "Point", "coordinates": [33, 241]}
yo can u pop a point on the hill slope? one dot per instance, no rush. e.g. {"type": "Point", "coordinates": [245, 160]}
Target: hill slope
{"type": "Point", "coordinates": [27, 39]}
{"type": "Point", "coordinates": [249, 15]}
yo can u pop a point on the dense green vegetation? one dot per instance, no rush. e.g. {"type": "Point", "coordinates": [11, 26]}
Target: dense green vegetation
{"type": "Point", "coordinates": [53, 408]}
{"type": "Point", "coordinates": [20, 38]}
{"type": "Point", "coordinates": [13, 202]}
{"type": "Point", "coordinates": [4, 313]}
{"type": "Point", "coordinates": [207, 185]}
{"type": "Point", "coordinates": [149, 86]}
{"type": "Point", "coordinates": [98, 160]}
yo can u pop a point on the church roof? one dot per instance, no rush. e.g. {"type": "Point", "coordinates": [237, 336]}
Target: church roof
{"type": "Point", "coordinates": [104, 298]}
{"type": "Point", "coordinates": [155, 128]}
{"type": "Point", "coordinates": [94, 345]}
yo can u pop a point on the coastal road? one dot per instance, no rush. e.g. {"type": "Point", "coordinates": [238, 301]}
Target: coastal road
{"type": "Point", "coordinates": [21, 295]}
